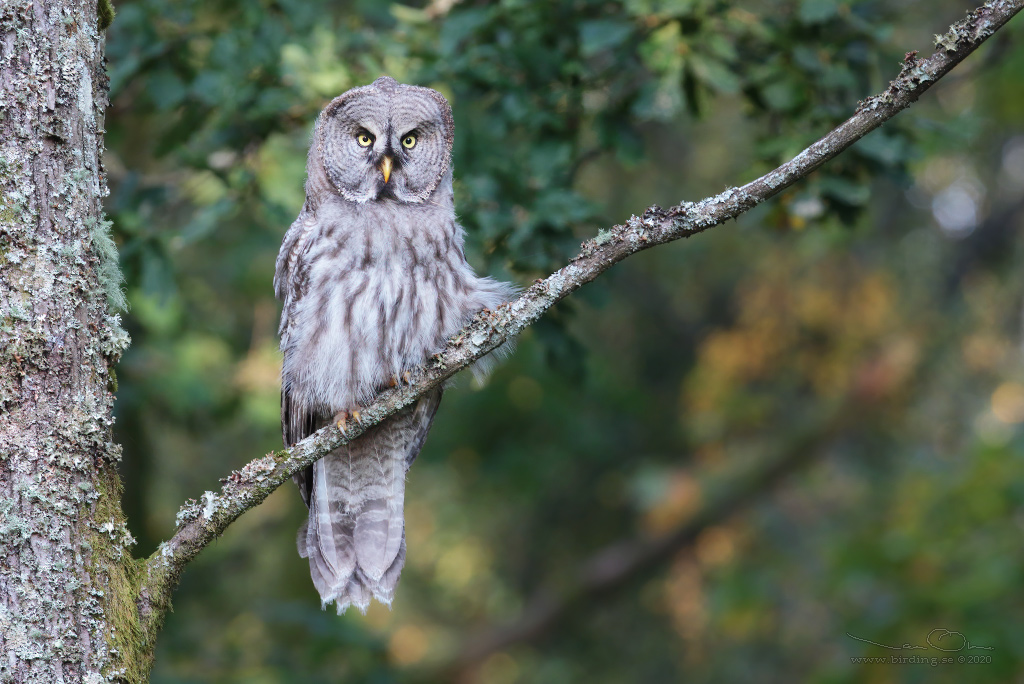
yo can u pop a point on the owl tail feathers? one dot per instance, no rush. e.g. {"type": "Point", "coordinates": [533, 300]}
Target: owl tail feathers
{"type": "Point", "coordinates": [355, 588]}
{"type": "Point", "coordinates": [356, 548]}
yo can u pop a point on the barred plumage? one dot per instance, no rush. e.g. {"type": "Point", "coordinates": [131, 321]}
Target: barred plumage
{"type": "Point", "coordinates": [373, 280]}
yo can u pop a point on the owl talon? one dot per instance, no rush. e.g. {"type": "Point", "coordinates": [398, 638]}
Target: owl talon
{"type": "Point", "coordinates": [404, 379]}
{"type": "Point", "coordinates": [341, 419]}
{"type": "Point", "coordinates": [345, 418]}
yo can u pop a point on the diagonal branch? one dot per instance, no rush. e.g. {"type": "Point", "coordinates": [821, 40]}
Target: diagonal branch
{"type": "Point", "coordinates": [199, 523]}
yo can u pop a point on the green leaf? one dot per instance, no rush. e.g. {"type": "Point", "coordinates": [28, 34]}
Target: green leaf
{"type": "Point", "coordinates": [166, 89]}
{"type": "Point", "coordinates": [844, 190]}
{"type": "Point", "coordinates": [888, 149]}
{"type": "Point", "coordinates": [817, 11]}
{"type": "Point", "coordinates": [715, 74]}
{"type": "Point", "coordinates": [600, 35]}
{"type": "Point", "coordinates": [784, 95]}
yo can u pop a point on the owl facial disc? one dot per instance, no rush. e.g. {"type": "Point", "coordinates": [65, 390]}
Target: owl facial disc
{"type": "Point", "coordinates": [386, 131]}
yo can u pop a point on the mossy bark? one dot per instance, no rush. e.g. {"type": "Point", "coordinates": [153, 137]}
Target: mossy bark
{"type": "Point", "coordinates": [68, 584]}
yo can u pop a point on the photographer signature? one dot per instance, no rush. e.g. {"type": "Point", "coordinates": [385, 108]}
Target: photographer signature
{"type": "Point", "coordinates": [954, 641]}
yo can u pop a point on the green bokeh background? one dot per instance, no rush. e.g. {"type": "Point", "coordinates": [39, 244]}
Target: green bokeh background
{"type": "Point", "coordinates": [873, 312]}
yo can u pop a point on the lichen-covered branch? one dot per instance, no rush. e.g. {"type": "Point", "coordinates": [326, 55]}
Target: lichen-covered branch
{"type": "Point", "coordinates": [199, 522]}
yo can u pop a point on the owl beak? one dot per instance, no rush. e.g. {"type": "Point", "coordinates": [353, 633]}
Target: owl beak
{"type": "Point", "coordinates": [385, 168]}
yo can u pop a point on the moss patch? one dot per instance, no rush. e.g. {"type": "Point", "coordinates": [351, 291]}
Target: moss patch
{"type": "Point", "coordinates": [131, 653]}
{"type": "Point", "coordinates": [105, 13]}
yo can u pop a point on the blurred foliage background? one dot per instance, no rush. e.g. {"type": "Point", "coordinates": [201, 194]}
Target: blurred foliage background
{"type": "Point", "coordinates": [814, 414]}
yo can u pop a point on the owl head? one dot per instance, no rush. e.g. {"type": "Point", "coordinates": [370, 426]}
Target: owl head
{"type": "Point", "coordinates": [383, 142]}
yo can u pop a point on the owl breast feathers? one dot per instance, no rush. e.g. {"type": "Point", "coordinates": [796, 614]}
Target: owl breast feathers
{"type": "Point", "coordinates": [373, 280]}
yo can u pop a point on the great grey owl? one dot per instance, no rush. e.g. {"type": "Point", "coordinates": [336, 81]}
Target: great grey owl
{"type": "Point", "coordinates": [373, 280]}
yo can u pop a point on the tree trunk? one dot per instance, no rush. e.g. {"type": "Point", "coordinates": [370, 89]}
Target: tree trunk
{"type": "Point", "coordinates": [67, 580]}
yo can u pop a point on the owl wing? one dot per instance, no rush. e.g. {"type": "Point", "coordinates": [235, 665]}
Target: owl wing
{"type": "Point", "coordinates": [294, 243]}
{"type": "Point", "coordinates": [422, 420]}
{"type": "Point", "coordinates": [291, 282]}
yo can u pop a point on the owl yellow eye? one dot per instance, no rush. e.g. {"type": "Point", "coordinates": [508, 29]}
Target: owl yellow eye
{"type": "Point", "coordinates": [364, 139]}
{"type": "Point", "coordinates": [409, 142]}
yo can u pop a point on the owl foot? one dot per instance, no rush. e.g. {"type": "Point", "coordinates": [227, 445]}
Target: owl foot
{"type": "Point", "coordinates": [342, 420]}
{"type": "Point", "coordinates": [397, 380]}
